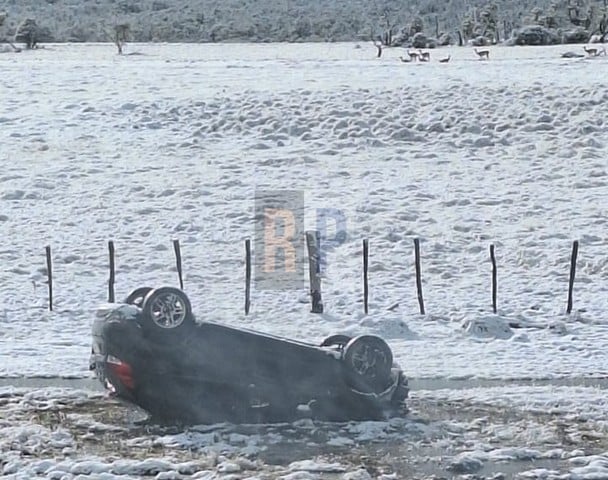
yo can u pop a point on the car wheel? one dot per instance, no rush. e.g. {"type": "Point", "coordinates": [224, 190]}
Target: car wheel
{"type": "Point", "coordinates": [368, 360]}
{"type": "Point", "coordinates": [166, 308]}
{"type": "Point", "coordinates": [339, 341]}
{"type": "Point", "coordinates": [136, 297]}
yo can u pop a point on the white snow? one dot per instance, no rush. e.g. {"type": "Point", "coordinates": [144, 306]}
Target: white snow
{"type": "Point", "coordinates": [176, 142]}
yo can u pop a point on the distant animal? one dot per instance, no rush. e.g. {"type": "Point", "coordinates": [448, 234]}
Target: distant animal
{"type": "Point", "coordinates": [424, 56]}
{"type": "Point", "coordinates": [413, 55]}
{"type": "Point", "coordinates": [482, 53]}
{"type": "Point", "coordinates": [591, 51]}
{"type": "Point", "coordinates": [595, 52]}
{"type": "Point", "coordinates": [445, 60]}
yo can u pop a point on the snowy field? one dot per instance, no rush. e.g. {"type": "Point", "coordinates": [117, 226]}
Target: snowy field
{"type": "Point", "coordinates": [175, 141]}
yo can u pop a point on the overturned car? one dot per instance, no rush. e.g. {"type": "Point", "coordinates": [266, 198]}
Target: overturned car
{"type": "Point", "coordinates": [151, 351]}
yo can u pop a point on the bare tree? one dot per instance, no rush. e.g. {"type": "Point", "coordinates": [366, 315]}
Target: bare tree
{"type": "Point", "coordinates": [603, 28]}
{"type": "Point", "coordinates": [121, 35]}
{"type": "Point", "coordinates": [416, 25]}
{"type": "Point", "coordinates": [388, 18]}
{"type": "Point", "coordinates": [27, 32]}
{"type": "Point", "coordinates": [3, 17]}
{"type": "Point", "coordinates": [575, 8]}
{"type": "Point", "coordinates": [467, 30]}
{"type": "Point", "coordinates": [536, 14]}
{"type": "Point", "coordinates": [599, 32]}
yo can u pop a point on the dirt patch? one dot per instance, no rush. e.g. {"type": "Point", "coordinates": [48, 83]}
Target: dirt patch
{"type": "Point", "coordinates": [422, 444]}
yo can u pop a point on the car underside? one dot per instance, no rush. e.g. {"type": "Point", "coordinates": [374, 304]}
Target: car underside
{"type": "Point", "coordinates": [150, 351]}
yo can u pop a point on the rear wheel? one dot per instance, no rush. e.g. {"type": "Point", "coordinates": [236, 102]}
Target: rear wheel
{"type": "Point", "coordinates": [368, 360]}
{"type": "Point", "coordinates": [166, 309]}
{"type": "Point", "coordinates": [136, 297]}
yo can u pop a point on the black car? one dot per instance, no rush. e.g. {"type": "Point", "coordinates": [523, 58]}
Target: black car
{"type": "Point", "coordinates": [150, 351]}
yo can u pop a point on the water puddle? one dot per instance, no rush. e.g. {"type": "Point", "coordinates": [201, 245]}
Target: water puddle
{"type": "Point", "coordinates": [415, 383]}
{"type": "Point", "coordinates": [461, 384]}
{"type": "Point", "coordinates": [54, 382]}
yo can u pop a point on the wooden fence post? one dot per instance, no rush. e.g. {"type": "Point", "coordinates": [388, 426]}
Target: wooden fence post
{"type": "Point", "coordinates": [49, 273]}
{"type": "Point", "coordinates": [314, 270]}
{"type": "Point", "coordinates": [247, 275]}
{"type": "Point", "coordinates": [572, 274]}
{"type": "Point", "coordinates": [111, 297]}
{"type": "Point", "coordinates": [178, 261]}
{"type": "Point", "coordinates": [418, 275]}
{"type": "Point", "coordinates": [494, 278]}
{"type": "Point", "coordinates": [365, 270]}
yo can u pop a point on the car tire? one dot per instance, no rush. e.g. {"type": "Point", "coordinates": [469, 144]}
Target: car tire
{"type": "Point", "coordinates": [137, 296]}
{"type": "Point", "coordinates": [339, 341]}
{"type": "Point", "coordinates": [166, 309]}
{"type": "Point", "coordinates": [368, 360]}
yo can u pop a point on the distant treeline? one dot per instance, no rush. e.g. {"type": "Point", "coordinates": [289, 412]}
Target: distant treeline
{"type": "Point", "coordinates": [390, 21]}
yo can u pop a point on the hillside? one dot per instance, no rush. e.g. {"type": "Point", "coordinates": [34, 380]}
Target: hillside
{"type": "Point", "coordinates": [293, 20]}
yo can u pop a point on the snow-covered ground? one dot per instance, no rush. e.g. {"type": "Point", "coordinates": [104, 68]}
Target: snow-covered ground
{"type": "Point", "coordinates": [176, 142]}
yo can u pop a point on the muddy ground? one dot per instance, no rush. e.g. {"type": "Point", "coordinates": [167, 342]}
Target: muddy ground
{"type": "Point", "coordinates": [428, 442]}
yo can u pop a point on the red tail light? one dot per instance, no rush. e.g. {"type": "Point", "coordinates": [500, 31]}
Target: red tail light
{"type": "Point", "coordinates": [122, 370]}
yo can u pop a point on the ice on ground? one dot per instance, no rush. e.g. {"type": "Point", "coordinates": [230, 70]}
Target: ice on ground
{"type": "Point", "coordinates": [492, 327]}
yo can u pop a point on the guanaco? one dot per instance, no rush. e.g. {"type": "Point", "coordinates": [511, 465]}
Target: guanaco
{"type": "Point", "coordinates": [483, 53]}
{"type": "Point", "coordinates": [591, 51]}
{"type": "Point", "coordinates": [413, 55]}
{"type": "Point", "coordinates": [424, 56]}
